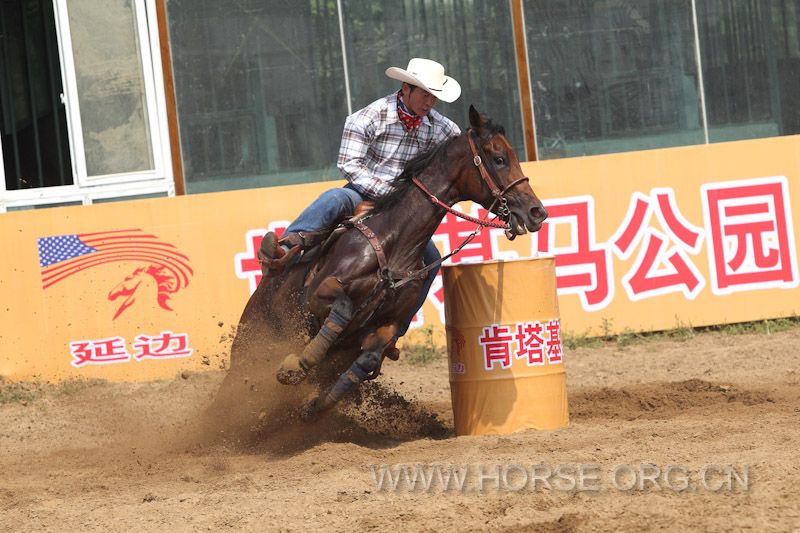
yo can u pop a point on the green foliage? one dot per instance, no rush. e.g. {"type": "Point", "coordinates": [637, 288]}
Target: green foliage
{"type": "Point", "coordinates": [627, 337]}
{"type": "Point", "coordinates": [422, 352]}
{"type": "Point", "coordinates": [607, 327]}
{"type": "Point", "coordinates": [580, 340]}
{"type": "Point", "coordinates": [71, 386]}
{"type": "Point", "coordinates": [25, 392]}
{"type": "Point", "coordinates": [759, 327]}
{"type": "Point", "coordinates": [681, 332]}
{"type": "Point", "coordinates": [22, 393]}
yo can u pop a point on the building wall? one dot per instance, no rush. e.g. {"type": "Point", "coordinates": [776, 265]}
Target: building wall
{"type": "Point", "coordinates": [263, 86]}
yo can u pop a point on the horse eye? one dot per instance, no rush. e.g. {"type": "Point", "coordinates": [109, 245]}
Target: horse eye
{"type": "Point", "coordinates": [499, 160]}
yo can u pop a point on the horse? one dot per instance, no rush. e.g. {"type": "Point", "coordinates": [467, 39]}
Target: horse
{"type": "Point", "coordinates": [350, 294]}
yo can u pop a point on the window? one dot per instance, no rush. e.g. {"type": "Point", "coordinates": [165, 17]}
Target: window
{"type": "Point", "coordinates": [33, 124]}
{"type": "Point", "coordinates": [260, 91]}
{"type": "Point", "coordinates": [262, 86]}
{"type": "Point", "coordinates": [473, 40]}
{"type": "Point", "coordinates": [111, 87]}
{"type": "Point", "coordinates": [751, 67]}
{"type": "Point", "coordinates": [82, 108]}
{"type": "Point", "coordinates": [611, 76]}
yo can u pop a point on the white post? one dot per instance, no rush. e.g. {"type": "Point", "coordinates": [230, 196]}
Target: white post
{"type": "Point", "coordinates": [344, 58]}
{"type": "Point", "coordinates": [701, 85]}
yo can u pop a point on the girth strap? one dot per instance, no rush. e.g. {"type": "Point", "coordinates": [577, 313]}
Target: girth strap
{"type": "Point", "coordinates": [373, 240]}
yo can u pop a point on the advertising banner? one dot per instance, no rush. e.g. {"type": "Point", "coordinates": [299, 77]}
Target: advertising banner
{"type": "Point", "coordinates": [643, 241]}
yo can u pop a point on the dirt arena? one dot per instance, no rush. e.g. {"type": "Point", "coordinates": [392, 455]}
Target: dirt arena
{"type": "Point", "coordinates": [101, 456]}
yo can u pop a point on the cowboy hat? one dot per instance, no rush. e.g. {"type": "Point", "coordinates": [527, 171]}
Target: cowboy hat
{"type": "Point", "coordinates": [430, 76]}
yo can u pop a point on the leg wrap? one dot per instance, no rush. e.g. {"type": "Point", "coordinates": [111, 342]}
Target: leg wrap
{"type": "Point", "coordinates": [342, 386]}
{"type": "Point", "coordinates": [361, 370]}
{"type": "Point", "coordinates": [368, 362]}
{"type": "Point", "coordinates": [340, 315]}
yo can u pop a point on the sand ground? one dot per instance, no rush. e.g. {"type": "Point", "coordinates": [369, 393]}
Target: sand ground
{"type": "Point", "coordinates": [120, 456]}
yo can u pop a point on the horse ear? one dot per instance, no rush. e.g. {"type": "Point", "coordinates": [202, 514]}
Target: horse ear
{"type": "Point", "coordinates": [475, 119]}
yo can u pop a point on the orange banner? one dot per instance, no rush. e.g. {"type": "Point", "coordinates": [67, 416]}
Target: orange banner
{"type": "Point", "coordinates": [643, 241]}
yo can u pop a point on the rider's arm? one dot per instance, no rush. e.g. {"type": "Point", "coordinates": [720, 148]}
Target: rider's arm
{"type": "Point", "coordinates": [359, 132]}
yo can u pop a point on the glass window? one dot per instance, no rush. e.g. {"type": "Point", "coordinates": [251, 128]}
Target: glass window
{"type": "Point", "coordinates": [612, 76]}
{"type": "Point", "coordinates": [751, 67]}
{"type": "Point", "coordinates": [110, 81]}
{"type": "Point", "coordinates": [260, 91]}
{"type": "Point", "coordinates": [474, 40]}
{"type": "Point", "coordinates": [34, 145]}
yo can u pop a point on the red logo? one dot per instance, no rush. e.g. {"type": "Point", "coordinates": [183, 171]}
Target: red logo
{"type": "Point", "coordinates": [62, 256]}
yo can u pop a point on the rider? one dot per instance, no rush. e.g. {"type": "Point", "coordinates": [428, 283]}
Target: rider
{"type": "Point", "coordinates": [377, 142]}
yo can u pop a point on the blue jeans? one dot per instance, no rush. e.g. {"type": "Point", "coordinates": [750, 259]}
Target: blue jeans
{"type": "Point", "coordinates": [334, 204]}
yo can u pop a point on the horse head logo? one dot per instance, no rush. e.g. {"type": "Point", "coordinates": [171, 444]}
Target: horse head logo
{"type": "Point", "coordinates": [166, 282]}
{"type": "Point", "coordinates": [168, 270]}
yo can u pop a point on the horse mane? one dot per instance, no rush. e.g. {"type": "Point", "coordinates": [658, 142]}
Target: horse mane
{"type": "Point", "coordinates": [420, 162]}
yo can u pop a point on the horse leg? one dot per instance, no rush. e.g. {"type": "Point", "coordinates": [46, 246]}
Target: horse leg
{"type": "Point", "coordinates": [329, 297]}
{"type": "Point", "coordinates": [365, 367]}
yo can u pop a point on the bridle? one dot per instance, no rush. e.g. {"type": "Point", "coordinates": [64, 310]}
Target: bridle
{"type": "Point", "coordinates": [503, 212]}
{"type": "Point", "coordinates": [394, 280]}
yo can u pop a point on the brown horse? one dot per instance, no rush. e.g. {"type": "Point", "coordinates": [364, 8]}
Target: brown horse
{"type": "Point", "coordinates": [351, 294]}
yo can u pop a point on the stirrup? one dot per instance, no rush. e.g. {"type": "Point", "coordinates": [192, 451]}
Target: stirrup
{"type": "Point", "coordinates": [268, 253]}
{"type": "Point", "coordinates": [273, 257]}
{"type": "Point", "coordinates": [271, 268]}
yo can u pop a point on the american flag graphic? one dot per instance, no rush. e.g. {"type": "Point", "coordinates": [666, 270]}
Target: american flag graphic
{"type": "Point", "coordinates": [62, 256]}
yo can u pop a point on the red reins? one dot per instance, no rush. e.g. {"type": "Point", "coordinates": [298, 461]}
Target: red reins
{"type": "Point", "coordinates": [499, 195]}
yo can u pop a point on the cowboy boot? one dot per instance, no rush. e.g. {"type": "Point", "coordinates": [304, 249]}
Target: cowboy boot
{"type": "Point", "coordinates": [268, 255]}
{"type": "Point", "coordinates": [274, 254]}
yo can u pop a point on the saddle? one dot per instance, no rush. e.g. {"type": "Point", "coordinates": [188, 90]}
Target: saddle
{"type": "Point", "coordinates": [314, 244]}
{"type": "Point", "coordinates": [306, 244]}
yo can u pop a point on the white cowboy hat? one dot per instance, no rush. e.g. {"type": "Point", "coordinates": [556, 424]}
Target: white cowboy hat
{"type": "Point", "coordinates": [430, 76]}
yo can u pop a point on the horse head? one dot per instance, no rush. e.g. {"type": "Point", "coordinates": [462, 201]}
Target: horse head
{"type": "Point", "coordinates": [502, 188]}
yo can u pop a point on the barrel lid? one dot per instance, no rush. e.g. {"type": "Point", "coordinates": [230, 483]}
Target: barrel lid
{"type": "Point", "coordinates": [540, 256]}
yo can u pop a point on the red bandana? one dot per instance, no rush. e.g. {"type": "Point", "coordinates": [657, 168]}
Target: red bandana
{"type": "Point", "coordinates": [410, 121]}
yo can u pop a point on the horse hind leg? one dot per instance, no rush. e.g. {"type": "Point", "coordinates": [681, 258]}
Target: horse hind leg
{"type": "Point", "coordinates": [294, 369]}
{"type": "Point", "coordinates": [365, 367]}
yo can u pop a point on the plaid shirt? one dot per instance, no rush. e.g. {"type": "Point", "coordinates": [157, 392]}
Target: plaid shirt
{"type": "Point", "coordinates": [375, 147]}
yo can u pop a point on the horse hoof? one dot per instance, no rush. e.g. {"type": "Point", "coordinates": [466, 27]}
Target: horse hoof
{"type": "Point", "coordinates": [290, 371]}
{"type": "Point", "coordinates": [309, 411]}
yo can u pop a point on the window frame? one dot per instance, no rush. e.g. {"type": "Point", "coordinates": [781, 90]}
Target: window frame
{"type": "Point", "coordinates": [85, 187]}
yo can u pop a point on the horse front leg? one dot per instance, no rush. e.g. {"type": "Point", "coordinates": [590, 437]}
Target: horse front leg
{"type": "Point", "coordinates": [365, 367]}
{"type": "Point", "coordinates": [329, 299]}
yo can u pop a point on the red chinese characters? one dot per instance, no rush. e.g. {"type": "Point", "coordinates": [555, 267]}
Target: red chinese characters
{"type": "Point", "coordinates": [165, 345]}
{"type": "Point", "coordinates": [496, 341]}
{"type": "Point", "coordinates": [528, 341]}
{"type": "Point", "coordinates": [98, 352]}
{"type": "Point", "coordinates": [663, 264]}
{"type": "Point", "coordinates": [751, 238]}
{"type": "Point", "coordinates": [554, 349]}
{"type": "Point", "coordinates": [583, 266]}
